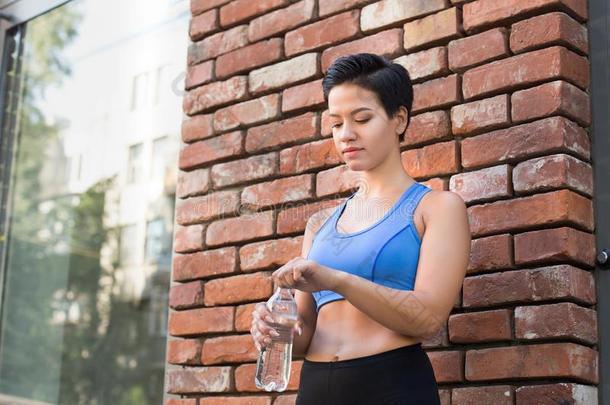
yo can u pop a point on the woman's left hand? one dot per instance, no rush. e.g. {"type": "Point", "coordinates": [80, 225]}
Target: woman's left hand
{"type": "Point", "coordinates": [305, 275]}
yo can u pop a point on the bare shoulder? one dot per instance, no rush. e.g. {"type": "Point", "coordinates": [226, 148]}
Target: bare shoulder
{"type": "Point", "coordinates": [438, 202]}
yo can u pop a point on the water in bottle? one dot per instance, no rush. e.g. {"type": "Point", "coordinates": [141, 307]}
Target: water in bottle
{"type": "Point", "coordinates": [274, 361]}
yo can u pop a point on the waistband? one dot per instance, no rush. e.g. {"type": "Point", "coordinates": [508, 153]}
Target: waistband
{"type": "Point", "coordinates": [359, 361]}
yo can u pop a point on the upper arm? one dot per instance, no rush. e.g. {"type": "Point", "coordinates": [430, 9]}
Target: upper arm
{"type": "Point", "coordinates": [444, 254]}
{"type": "Point", "coordinates": [305, 300]}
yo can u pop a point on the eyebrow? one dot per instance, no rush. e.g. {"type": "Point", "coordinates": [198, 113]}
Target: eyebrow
{"type": "Point", "coordinates": [353, 112]}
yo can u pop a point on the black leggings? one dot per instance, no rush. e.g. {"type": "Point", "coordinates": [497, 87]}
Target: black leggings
{"type": "Point", "coordinates": [401, 376]}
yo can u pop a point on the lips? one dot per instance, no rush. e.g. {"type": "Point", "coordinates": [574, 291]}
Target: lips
{"type": "Point", "coordinates": [351, 149]}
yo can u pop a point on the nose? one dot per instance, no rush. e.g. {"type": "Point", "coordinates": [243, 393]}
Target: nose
{"type": "Point", "coordinates": [345, 132]}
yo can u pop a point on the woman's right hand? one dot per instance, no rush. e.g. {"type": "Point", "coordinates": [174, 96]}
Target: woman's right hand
{"type": "Point", "coordinates": [262, 330]}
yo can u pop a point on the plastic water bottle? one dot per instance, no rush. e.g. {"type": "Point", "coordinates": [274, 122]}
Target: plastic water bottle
{"type": "Point", "coordinates": [274, 360]}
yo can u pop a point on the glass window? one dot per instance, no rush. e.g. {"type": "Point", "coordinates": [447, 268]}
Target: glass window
{"type": "Point", "coordinates": [83, 314]}
{"type": "Point", "coordinates": [134, 165]}
{"type": "Point", "coordinates": [158, 240]}
{"type": "Point", "coordinates": [160, 161]}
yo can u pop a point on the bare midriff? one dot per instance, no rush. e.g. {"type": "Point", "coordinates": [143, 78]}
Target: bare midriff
{"type": "Point", "coordinates": [344, 332]}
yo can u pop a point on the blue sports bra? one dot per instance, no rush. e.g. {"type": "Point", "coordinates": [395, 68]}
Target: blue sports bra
{"type": "Point", "coordinates": [386, 252]}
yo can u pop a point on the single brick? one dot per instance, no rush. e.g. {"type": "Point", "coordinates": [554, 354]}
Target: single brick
{"type": "Point", "coordinates": [554, 98]}
{"type": "Point", "coordinates": [284, 73]}
{"type": "Point", "coordinates": [564, 320]}
{"type": "Point", "coordinates": [389, 12]}
{"type": "Point", "coordinates": [247, 113]}
{"type": "Point", "coordinates": [200, 320]}
{"type": "Point", "coordinates": [192, 183]}
{"type": "Point", "coordinates": [448, 365]}
{"type": "Point", "coordinates": [240, 288]}
{"type": "Point", "coordinates": [481, 115]}
{"type": "Point", "coordinates": [309, 156]}
{"type": "Point", "coordinates": [203, 24]}
{"type": "Point", "coordinates": [278, 192]}
{"type": "Point", "coordinates": [436, 93]}
{"type": "Point", "coordinates": [433, 29]}
{"type": "Point", "coordinates": [425, 64]}
{"type": "Point", "coordinates": [428, 126]}
{"type": "Point", "coordinates": [215, 94]}
{"type": "Point", "coordinates": [553, 172]}
{"type": "Point", "coordinates": [477, 327]}
{"type": "Point", "coordinates": [187, 295]}
{"type": "Point", "coordinates": [199, 74]}
{"type": "Point", "coordinates": [184, 351]}
{"type": "Point", "coordinates": [201, 209]}
{"type": "Point", "coordinates": [197, 127]}
{"type": "Point", "coordinates": [188, 238]}
{"type": "Point", "coordinates": [199, 380]}
{"type": "Point", "coordinates": [554, 28]}
{"type": "Point", "coordinates": [476, 49]}
{"type": "Point", "coordinates": [431, 160]}
{"type": "Point", "coordinates": [204, 264]}
{"type": "Point", "coordinates": [491, 253]}
{"type": "Point", "coordinates": [228, 349]}
{"type": "Point", "coordinates": [238, 229]}
{"type": "Point", "coordinates": [555, 245]}
{"type": "Point", "coordinates": [243, 317]}
{"type": "Point", "coordinates": [337, 28]}
{"type": "Point", "coordinates": [306, 95]}
{"type": "Point", "coordinates": [276, 253]}
{"type": "Point", "coordinates": [480, 185]}
{"type": "Point", "coordinates": [243, 170]}
{"type": "Point", "coordinates": [496, 394]}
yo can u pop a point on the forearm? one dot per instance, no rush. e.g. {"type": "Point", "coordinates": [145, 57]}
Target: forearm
{"type": "Point", "coordinates": [398, 310]}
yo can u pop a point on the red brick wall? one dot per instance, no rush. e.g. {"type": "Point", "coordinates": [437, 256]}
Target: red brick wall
{"type": "Point", "coordinates": [500, 116]}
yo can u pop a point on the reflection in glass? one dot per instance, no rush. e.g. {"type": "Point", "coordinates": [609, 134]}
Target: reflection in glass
{"type": "Point", "coordinates": [91, 203]}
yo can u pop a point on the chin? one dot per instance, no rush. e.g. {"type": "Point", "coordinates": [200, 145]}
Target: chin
{"type": "Point", "coordinates": [356, 166]}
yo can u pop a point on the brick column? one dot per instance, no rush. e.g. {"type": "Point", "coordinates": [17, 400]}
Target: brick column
{"type": "Point", "coordinates": [500, 117]}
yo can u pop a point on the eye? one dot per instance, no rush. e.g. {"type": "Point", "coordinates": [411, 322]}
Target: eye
{"type": "Point", "coordinates": [359, 121]}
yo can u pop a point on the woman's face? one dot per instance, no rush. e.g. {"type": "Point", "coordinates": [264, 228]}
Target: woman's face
{"type": "Point", "coordinates": [358, 120]}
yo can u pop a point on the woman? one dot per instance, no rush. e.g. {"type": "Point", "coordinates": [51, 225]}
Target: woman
{"type": "Point", "coordinates": [380, 272]}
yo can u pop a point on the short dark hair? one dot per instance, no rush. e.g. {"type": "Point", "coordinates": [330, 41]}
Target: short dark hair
{"type": "Point", "coordinates": [389, 80]}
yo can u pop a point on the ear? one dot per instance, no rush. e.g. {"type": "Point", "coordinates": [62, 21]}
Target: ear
{"type": "Point", "coordinates": [401, 115]}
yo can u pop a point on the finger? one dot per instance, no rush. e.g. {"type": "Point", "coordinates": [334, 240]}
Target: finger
{"type": "Point", "coordinates": [297, 273]}
{"type": "Point", "coordinates": [289, 279]}
{"type": "Point", "coordinates": [298, 327]}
